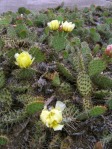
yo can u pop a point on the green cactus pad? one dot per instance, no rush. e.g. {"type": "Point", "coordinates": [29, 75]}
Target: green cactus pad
{"type": "Point", "coordinates": [3, 140]}
{"type": "Point", "coordinates": [22, 31]}
{"type": "Point", "coordinates": [102, 81]}
{"type": "Point", "coordinates": [109, 103]}
{"type": "Point", "coordinates": [13, 117]}
{"type": "Point", "coordinates": [84, 84]}
{"type": "Point", "coordinates": [56, 79]}
{"type": "Point", "coordinates": [65, 71]}
{"type": "Point", "coordinates": [27, 73]}
{"type": "Point", "coordinates": [96, 66]}
{"type": "Point", "coordinates": [26, 98]}
{"type": "Point", "coordinates": [33, 107]}
{"type": "Point", "coordinates": [5, 100]}
{"type": "Point", "coordinates": [2, 79]}
{"type": "Point", "coordinates": [87, 104]}
{"type": "Point", "coordinates": [102, 93]}
{"type": "Point", "coordinates": [20, 87]}
{"type": "Point", "coordinates": [97, 111]}
{"type": "Point", "coordinates": [58, 42]}
{"type": "Point", "coordinates": [78, 62]}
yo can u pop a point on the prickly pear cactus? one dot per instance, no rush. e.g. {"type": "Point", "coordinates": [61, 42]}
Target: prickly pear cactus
{"type": "Point", "coordinates": [78, 62]}
{"type": "Point", "coordinates": [5, 100]}
{"type": "Point", "coordinates": [58, 42]}
{"type": "Point", "coordinates": [24, 73]}
{"type": "Point", "coordinates": [97, 110]}
{"type": "Point", "coordinates": [87, 104]}
{"type": "Point", "coordinates": [3, 140]}
{"type": "Point", "coordinates": [19, 87]}
{"type": "Point", "coordinates": [65, 72]}
{"type": "Point", "coordinates": [84, 84]}
{"type": "Point", "coordinates": [26, 98]}
{"type": "Point", "coordinates": [96, 66]}
{"type": "Point", "coordinates": [102, 93]}
{"type": "Point", "coordinates": [22, 31]}
{"type": "Point", "coordinates": [109, 103]}
{"type": "Point", "coordinates": [2, 79]}
{"type": "Point", "coordinates": [102, 81]}
{"type": "Point", "coordinates": [13, 117]}
{"type": "Point", "coordinates": [33, 107]}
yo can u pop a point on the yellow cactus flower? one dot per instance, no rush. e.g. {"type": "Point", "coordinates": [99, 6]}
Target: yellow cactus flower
{"type": "Point", "coordinates": [44, 116]}
{"type": "Point", "coordinates": [52, 118]}
{"type": "Point", "coordinates": [56, 126]}
{"type": "Point", "coordinates": [67, 26]}
{"type": "Point", "coordinates": [54, 24]}
{"type": "Point", "coordinates": [24, 59]}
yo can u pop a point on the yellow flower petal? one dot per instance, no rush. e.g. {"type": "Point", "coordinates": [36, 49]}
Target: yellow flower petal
{"type": "Point", "coordinates": [60, 105]}
{"type": "Point", "coordinates": [67, 26]}
{"type": "Point", "coordinates": [44, 115]}
{"type": "Point", "coordinates": [24, 59]}
{"type": "Point", "coordinates": [56, 115]}
{"type": "Point", "coordinates": [58, 127]}
{"type": "Point", "coordinates": [53, 25]}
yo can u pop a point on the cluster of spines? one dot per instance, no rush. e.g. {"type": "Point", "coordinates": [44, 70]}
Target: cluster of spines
{"type": "Point", "coordinates": [5, 100]}
{"type": "Point", "coordinates": [13, 117]}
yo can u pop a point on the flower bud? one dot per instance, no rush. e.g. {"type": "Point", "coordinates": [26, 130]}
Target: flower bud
{"type": "Point", "coordinates": [108, 51]}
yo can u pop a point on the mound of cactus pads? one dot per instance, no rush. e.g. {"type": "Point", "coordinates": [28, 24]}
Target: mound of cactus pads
{"type": "Point", "coordinates": [55, 78]}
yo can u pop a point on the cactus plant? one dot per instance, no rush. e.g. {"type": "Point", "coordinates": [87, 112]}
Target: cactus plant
{"type": "Point", "coordinates": [20, 87]}
{"type": "Point", "coordinates": [26, 73]}
{"type": "Point", "coordinates": [11, 32]}
{"type": "Point", "coordinates": [56, 79]}
{"type": "Point", "coordinates": [26, 98]}
{"type": "Point", "coordinates": [33, 107]}
{"type": "Point", "coordinates": [102, 81]}
{"type": "Point", "coordinates": [58, 42]}
{"type": "Point", "coordinates": [87, 103]}
{"type": "Point", "coordinates": [2, 79]}
{"type": "Point", "coordinates": [13, 117]}
{"type": "Point", "coordinates": [109, 103]}
{"type": "Point", "coordinates": [96, 66]}
{"type": "Point", "coordinates": [97, 110]}
{"type": "Point", "coordinates": [84, 84]}
{"type": "Point", "coordinates": [64, 71]}
{"type": "Point", "coordinates": [22, 31]}
{"type": "Point", "coordinates": [3, 140]}
{"type": "Point", "coordinates": [78, 62]}
{"type": "Point", "coordinates": [102, 93]}
{"type": "Point", "coordinates": [5, 100]}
